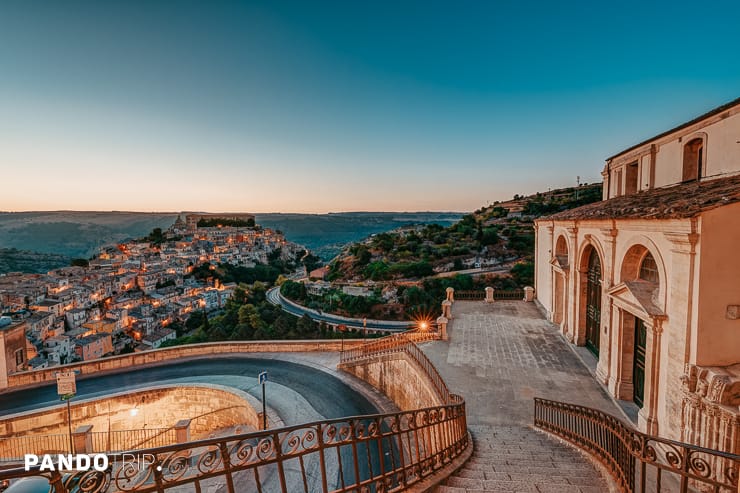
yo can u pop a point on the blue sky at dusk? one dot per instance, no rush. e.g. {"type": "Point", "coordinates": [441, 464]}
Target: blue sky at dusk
{"type": "Point", "coordinates": [341, 106]}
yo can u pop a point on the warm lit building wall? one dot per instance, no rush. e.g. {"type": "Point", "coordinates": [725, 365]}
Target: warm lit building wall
{"type": "Point", "coordinates": [716, 335]}
{"type": "Point", "coordinates": [660, 162]}
{"type": "Point", "coordinates": [12, 350]}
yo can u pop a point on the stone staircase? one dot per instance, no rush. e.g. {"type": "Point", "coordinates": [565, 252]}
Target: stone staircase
{"type": "Point", "coordinates": [520, 459]}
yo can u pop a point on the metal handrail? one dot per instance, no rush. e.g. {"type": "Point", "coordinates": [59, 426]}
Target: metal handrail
{"type": "Point", "coordinates": [381, 452]}
{"type": "Point", "coordinates": [638, 461]}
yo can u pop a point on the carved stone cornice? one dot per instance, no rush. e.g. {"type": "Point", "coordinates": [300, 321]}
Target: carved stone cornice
{"type": "Point", "coordinates": [682, 242]}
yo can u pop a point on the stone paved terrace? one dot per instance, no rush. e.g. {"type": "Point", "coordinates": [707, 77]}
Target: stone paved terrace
{"type": "Point", "coordinates": [499, 357]}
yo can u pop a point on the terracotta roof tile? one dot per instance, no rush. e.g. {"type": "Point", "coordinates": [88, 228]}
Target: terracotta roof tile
{"type": "Point", "coordinates": [674, 202]}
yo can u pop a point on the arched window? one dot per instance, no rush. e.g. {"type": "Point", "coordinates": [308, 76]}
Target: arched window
{"type": "Point", "coordinates": [693, 156]}
{"type": "Point", "coordinates": [649, 269]}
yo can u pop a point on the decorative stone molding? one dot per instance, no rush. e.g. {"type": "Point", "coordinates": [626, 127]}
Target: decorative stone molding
{"type": "Point", "coordinates": [710, 414]}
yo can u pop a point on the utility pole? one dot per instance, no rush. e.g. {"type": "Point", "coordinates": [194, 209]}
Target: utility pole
{"type": "Point", "coordinates": [578, 185]}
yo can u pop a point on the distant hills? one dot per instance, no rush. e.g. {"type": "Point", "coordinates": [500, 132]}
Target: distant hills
{"type": "Point", "coordinates": [40, 241]}
{"type": "Point", "coordinates": [498, 237]}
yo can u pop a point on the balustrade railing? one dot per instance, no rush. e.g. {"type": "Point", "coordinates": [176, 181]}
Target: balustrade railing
{"type": "Point", "coordinates": [639, 462]}
{"type": "Point", "coordinates": [508, 294]}
{"type": "Point", "coordinates": [470, 295]}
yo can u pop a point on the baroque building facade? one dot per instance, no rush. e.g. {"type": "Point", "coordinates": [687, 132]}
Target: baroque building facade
{"type": "Point", "coordinates": [649, 279]}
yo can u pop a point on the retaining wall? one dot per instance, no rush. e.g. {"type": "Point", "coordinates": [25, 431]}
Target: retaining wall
{"type": "Point", "coordinates": [160, 356]}
{"type": "Point", "coordinates": [399, 377]}
{"type": "Point", "coordinates": [208, 407]}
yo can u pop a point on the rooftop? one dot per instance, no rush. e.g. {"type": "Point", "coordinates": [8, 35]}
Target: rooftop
{"type": "Point", "coordinates": [674, 202]}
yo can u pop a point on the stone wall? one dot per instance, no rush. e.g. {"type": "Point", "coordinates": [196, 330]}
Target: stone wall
{"type": "Point", "coordinates": [161, 356]}
{"type": "Point", "coordinates": [208, 407]}
{"type": "Point", "coordinates": [399, 377]}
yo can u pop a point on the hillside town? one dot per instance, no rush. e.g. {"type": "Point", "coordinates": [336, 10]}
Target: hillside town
{"type": "Point", "coordinates": [128, 297]}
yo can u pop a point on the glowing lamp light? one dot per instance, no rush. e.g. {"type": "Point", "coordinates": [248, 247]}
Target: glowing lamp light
{"type": "Point", "coordinates": [134, 412]}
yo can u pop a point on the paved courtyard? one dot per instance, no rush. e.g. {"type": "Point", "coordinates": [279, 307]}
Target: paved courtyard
{"type": "Point", "coordinates": [499, 357]}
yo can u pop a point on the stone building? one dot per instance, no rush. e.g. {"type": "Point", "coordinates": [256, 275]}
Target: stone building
{"type": "Point", "coordinates": [649, 279]}
{"type": "Point", "coordinates": [13, 356]}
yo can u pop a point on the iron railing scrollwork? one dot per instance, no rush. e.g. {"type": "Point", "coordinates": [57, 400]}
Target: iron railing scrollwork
{"type": "Point", "coordinates": [364, 454]}
{"type": "Point", "coordinates": [373, 453]}
{"type": "Point", "coordinates": [637, 461]}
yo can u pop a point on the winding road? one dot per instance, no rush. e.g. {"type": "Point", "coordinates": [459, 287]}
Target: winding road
{"type": "Point", "coordinates": [327, 395]}
{"type": "Point", "coordinates": [274, 297]}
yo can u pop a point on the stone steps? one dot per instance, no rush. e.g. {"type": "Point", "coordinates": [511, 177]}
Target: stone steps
{"type": "Point", "coordinates": [520, 459]}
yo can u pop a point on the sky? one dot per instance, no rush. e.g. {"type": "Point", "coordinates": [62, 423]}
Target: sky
{"type": "Point", "coordinates": [313, 106]}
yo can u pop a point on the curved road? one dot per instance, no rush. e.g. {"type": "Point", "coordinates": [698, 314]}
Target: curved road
{"type": "Point", "coordinates": [328, 395]}
{"type": "Point", "coordinates": [274, 297]}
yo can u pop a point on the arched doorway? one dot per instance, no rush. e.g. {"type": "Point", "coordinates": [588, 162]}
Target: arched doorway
{"type": "Point", "coordinates": [593, 302]}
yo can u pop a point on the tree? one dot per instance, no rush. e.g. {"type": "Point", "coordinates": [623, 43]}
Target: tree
{"type": "Point", "coordinates": [79, 262]}
{"type": "Point", "coordinates": [523, 273]}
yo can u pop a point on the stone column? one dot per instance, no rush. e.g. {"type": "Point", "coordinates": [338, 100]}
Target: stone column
{"type": "Point", "coordinates": [447, 309]}
{"type": "Point", "coordinates": [442, 324]}
{"type": "Point", "coordinates": [489, 294]}
{"type": "Point", "coordinates": [450, 294]}
{"type": "Point", "coordinates": [528, 294]}
{"type": "Point", "coordinates": [82, 439]}
{"type": "Point", "coordinates": [182, 431]}
{"type": "Point", "coordinates": [570, 309]}
{"type": "Point", "coordinates": [609, 340]}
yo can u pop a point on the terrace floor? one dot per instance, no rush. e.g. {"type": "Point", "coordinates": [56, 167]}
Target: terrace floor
{"type": "Point", "coordinates": [498, 357]}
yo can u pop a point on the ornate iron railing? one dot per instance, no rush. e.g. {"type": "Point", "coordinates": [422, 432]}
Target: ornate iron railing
{"type": "Point", "coordinates": [375, 453]}
{"type": "Point", "coordinates": [368, 453]}
{"type": "Point", "coordinates": [639, 462]}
